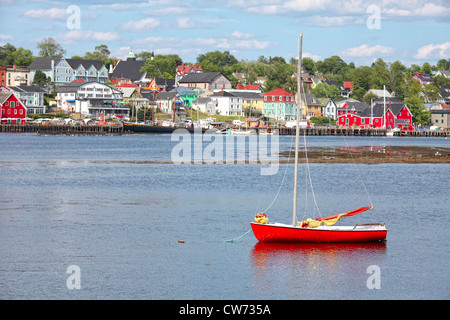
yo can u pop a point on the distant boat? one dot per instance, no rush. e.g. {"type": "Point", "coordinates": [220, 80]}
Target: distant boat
{"type": "Point", "coordinates": [314, 230]}
{"type": "Point", "coordinates": [148, 128]}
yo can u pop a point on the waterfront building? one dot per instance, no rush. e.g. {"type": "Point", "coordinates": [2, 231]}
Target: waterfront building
{"type": "Point", "coordinates": [129, 69]}
{"type": "Point", "coordinates": [228, 104]}
{"type": "Point", "coordinates": [12, 110]}
{"type": "Point", "coordinates": [12, 75]}
{"type": "Point", "coordinates": [311, 106]}
{"type": "Point", "coordinates": [187, 95]}
{"type": "Point", "coordinates": [32, 96]}
{"type": "Point", "coordinates": [279, 105]}
{"type": "Point", "coordinates": [206, 105]}
{"type": "Point", "coordinates": [91, 98]}
{"type": "Point", "coordinates": [63, 71]}
{"type": "Point", "coordinates": [183, 70]}
{"type": "Point", "coordinates": [393, 114]}
{"type": "Point", "coordinates": [440, 116]}
{"type": "Point", "coordinates": [207, 81]}
{"type": "Point", "coordinates": [252, 101]}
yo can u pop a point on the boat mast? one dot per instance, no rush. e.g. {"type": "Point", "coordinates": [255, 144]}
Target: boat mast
{"type": "Point", "coordinates": [297, 130]}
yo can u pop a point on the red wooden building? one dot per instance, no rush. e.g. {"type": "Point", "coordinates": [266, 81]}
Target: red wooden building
{"type": "Point", "coordinates": [395, 114]}
{"type": "Point", "coordinates": [12, 110]}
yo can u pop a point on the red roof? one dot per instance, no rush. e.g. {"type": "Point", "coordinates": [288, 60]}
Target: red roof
{"type": "Point", "coordinates": [278, 92]}
{"type": "Point", "coordinates": [348, 84]}
{"type": "Point", "coordinates": [184, 69]}
{"type": "Point", "coordinates": [252, 87]}
{"type": "Point", "coordinates": [126, 85]}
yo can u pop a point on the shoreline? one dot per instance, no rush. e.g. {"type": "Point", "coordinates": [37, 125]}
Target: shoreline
{"type": "Point", "coordinates": [373, 155]}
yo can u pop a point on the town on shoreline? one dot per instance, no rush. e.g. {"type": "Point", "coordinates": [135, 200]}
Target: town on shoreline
{"type": "Point", "coordinates": [162, 90]}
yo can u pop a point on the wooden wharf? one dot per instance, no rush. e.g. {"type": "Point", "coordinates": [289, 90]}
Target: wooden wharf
{"type": "Point", "coordinates": [63, 129]}
{"type": "Point", "coordinates": [118, 129]}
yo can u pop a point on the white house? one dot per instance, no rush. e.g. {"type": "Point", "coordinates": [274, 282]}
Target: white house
{"type": "Point", "coordinates": [90, 98]}
{"type": "Point", "coordinates": [206, 105]}
{"type": "Point", "coordinates": [227, 103]}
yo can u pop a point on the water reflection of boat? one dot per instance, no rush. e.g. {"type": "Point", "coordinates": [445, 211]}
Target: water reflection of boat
{"type": "Point", "coordinates": [267, 254]}
{"type": "Point", "coordinates": [263, 250]}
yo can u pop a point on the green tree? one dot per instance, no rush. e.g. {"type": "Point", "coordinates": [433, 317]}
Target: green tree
{"type": "Point", "coordinates": [323, 90]}
{"type": "Point", "coordinates": [162, 66]}
{"type": "Point", "coordinates": [426, 68]}
{"type": "Point", "coordinates": [42, 81]}
{"type": "Point", "coordinates": [217, 61]}
{"type": "Point", "coordinates": [441, 81]}
{"type": "Point", "coordinates": [279, 75]}
{"type": "Point", "coordinates": [443, 64]}
{"type": "Point", "coordinates": [397, 83]}
{"type": "Point", "coordinates": [100, 53]}
{"type": "Point", "coordinates": [50, 48]}
{"type": "Point", "coordinates": [416, 104]}
{"type": "Point", "coordinates": [431, 92]}
{"type": "Point", "coordinates": [361, 82]}
{"type": "Point", "coordinates": [308, 65]}
{"type": "Point", "coordinates": [9, 55]}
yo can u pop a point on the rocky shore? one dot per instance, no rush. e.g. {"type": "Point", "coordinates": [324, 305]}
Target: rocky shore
{"type": "Point", "coordinates": [371, 155]}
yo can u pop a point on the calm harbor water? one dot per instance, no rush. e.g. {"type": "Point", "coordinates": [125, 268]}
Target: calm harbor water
{"type": "Point", "coordinates": [100, 203]}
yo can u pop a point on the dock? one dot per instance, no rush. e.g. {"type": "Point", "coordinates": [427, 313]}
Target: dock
{"type": "Point", "coordinates": [333, 131]}
{"type": "Point", "coordinates": [119, 129]}
{"type": "Point", "coordinates": [63, 129]}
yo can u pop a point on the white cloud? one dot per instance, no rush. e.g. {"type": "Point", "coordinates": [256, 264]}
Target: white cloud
{"type": "Point", "coordinates": [367, 51]}
{"type": "Point", "coordinates": [6, 37]}
{"type": "Point", "coordinates": [86, 35]}
{"type": "Point", "coordinates": [47, 14]}
{"type": "Point", "coordinates": [185, 23]}
{"type": "Point", "coordinates": [441, 50]}
{"type": "Point", "coordinates": [315, 57]}
{"type": "Point", "coordinates": [223, 43]}
{"type": "Point", "coordinates": [141, 25]}
{"type": "Point", "coordinates": [332, 21]}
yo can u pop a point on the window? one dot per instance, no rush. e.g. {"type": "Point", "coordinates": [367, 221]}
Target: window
{"type": "Point", "coordinates": [273, 98]}
{"type": "Point", "coordinates": [12, 104]}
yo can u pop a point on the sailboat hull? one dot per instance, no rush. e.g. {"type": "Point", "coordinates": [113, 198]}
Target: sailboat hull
{"type": "Point", "coordinates": [276, 232]}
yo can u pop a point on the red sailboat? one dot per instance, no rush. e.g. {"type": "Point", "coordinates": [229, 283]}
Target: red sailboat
{"type": "Point", "coordinates": [314, 230]}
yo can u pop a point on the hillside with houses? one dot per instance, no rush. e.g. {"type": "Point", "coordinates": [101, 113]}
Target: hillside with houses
{"type": "Point", "coordinates": [144, 85]}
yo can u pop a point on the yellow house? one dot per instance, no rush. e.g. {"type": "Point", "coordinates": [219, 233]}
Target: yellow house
{"type": "Point", "coordinates": [250, 100]}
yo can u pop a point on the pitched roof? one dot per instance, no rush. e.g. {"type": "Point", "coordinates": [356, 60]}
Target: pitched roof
{"type": "Point", "coordinates": [311, 99]}
{"type": "Point", "coordinates": [200, 77]}
{"type": "Point", "coordinates": [43, 63]}
{"type": "Point", "coordinates": [71, 87]}
{"type": "Point", "coordinates": [185, 69]}
{"type": "Point", "coordinates": [128, 69]}
{"type": "Point", "coordinates": [222, 94]}
{"type": "Point", "coordinates": [247, 94]}
{"type": "Point", "coordinates": [4, 96]}
{"type": "Point", "coordinates": [23, 88]}
{"type": "Point", "coordinates": [278, 92]}
{"type": "Point", "coordinates": [75, 63]}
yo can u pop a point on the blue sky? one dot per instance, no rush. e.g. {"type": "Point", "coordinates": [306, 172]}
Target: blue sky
{"type": "Point", "coordinates": [412, 31]}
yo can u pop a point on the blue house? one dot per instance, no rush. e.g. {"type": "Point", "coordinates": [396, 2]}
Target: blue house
{"type": "Point", "coordinates": [63, 71]}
